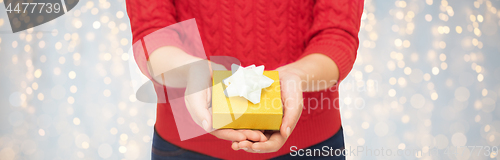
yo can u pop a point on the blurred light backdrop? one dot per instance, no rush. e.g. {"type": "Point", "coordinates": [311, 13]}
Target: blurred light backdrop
{"type": "Point", "coordinates": [425, 78]}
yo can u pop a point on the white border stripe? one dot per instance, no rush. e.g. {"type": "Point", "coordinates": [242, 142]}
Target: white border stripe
{"type": "Point", "coordinates": [64, 6]}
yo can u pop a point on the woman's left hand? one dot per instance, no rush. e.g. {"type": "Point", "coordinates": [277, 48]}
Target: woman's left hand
{"type": "Point", "coordinates": [291, 95]}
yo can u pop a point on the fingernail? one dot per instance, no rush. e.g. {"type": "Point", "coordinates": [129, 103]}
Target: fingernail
{"type": "Point", "coordinates": [205, 125]}
{"type": "Point", "coordinates": [288, 132]}
{"type": "Point", "coordinates": [244, 149]}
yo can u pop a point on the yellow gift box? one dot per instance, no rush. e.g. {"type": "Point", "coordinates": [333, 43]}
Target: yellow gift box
{"type": "Point", "coordinates": [239, 113]}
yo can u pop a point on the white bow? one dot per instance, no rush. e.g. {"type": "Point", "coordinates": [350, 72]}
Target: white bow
{"type": "Point", "coordinates": [247, 82]}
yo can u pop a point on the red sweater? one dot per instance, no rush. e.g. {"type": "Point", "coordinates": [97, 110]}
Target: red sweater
{"type": "Point", "coordinates": [261, 32]}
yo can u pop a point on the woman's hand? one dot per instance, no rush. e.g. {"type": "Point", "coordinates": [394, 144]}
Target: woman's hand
{"type": "Point", "coordinates": [291, 94]}
{"type": "Point", "coordinates": [198, 102]}
{"type": "Point", "coordinates": [173, 67]}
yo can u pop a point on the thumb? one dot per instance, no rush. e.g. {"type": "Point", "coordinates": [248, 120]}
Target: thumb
{"type": "Point", "coordinates": [293, 103]}
{"type": "Point", "coordinates": [292, 112]}
{"type": "Point", "coordinates": [197, 97]}
{"type": "Point", "coordinates": [198, 109]}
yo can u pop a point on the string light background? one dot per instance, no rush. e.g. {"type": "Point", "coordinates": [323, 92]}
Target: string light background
{"type": "Point", "coordinates": [425, 78]}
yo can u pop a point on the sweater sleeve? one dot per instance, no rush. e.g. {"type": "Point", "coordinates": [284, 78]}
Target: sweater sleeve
{"type": "Point", "coordinates": [334, 32]}
{"type": "Point", "coordinates": [147, 16]}
{"type": "Point", "coordinates": [152, 23]}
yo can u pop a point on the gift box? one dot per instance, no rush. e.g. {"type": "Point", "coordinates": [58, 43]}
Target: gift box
{"type": "Point", "coordinates": [240, 113]}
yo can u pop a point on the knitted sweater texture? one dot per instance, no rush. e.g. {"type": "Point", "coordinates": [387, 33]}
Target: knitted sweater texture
{"type": "Point", "coordinates": [261, 32]}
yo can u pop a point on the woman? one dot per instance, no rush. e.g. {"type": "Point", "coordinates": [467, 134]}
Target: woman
{"type": "Point", "coordinates": [312, 43]}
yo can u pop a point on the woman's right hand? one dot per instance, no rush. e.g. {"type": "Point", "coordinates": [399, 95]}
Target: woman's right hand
{"type": "Point", "coordinates": [198, 102]}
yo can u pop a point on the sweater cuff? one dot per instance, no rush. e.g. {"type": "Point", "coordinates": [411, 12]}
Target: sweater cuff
{"type": "Point", "coordinates": [145, 46]}
{"type": "Point", "coordinates": [342, 57]}
{"type": "Point", "coordinates": [160, 38]}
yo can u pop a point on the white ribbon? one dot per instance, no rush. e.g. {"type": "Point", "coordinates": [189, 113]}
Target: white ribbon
{"type": "Point", "coordinates": [247, 82]}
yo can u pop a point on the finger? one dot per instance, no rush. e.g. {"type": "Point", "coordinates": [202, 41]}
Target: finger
{"type": "Point", "coordinates": [229, 134]}
{"type": "Point", "coordinates": [252, 135]}
{"type": "Point", "coordinates": [234, 146]}
{"type": "Point", "coordinates": [245, 145]}
{"type": "Point", "coordinates": [292, 99]}
{"type": "Point", "coordinates": [290, 119]}
{"type": "Point", "coordinates": [263, 137]}
{"type": "Point", "coordinates": [291, 115]}
{"type": "Point", "coordinates": [196, 95]}
{"type": "Point", "coordinates": [209, 97]}
{"type": "Point", "coordinates": [213, 66]}
{"type": "Point", "coordinates": [272, 145]}
{"type": "Point", "coordinates": [198, 108]}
